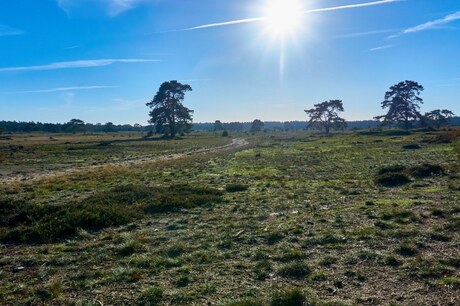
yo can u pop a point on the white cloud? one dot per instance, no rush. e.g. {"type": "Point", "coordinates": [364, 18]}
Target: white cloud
{"type": "Point", "coordinates": [60, 89]}
{"type": "Point", "coordinates": [360, 34]}
{"type": "Point", "coordinates": [76, 64]}
{"type": "Point", "coordinates": [381, 48]}
{"type": "Point", "coordinates": [112, 7]}
{"type": "Point", "coordinates": [429, 25]}
{"type": "Point", "coordinates": [8, 31]}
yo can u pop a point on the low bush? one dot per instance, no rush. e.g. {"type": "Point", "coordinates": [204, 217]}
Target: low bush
{"type": "Point", "coordinates": [426, 170]}
{"type": "Point", "coordinates": [151, 296]}
{"type": "Point", "coordinates": [23, 221]}
{"type": "Point", "coordinates": [290, 297]}
{"type": "Point", "coordinates": [297, 269]}
{"type": "Point", "coordinates": [392, 179]}
{"type": "Point", "coordinates": [412, 147]}
{"type": "Point", "coordinates": [236, 188]}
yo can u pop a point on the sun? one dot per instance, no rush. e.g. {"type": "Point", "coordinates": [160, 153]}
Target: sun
{"type": "Point", "coordinates": [282, 17]}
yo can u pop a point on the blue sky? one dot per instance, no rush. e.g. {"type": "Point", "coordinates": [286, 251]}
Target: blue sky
{"type": "Point", "coordinates": [102, 60]}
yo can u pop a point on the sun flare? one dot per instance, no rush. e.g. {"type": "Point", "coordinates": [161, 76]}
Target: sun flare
{"type": "Point", "coordinates": [283, 16]}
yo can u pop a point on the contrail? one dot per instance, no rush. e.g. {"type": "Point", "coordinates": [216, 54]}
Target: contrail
{"type": "Point", "coordinates": [257, 19]}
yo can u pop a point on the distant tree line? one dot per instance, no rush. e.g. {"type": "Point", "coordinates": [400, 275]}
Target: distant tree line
{"type": "Point", "coordinates": [73, 126]}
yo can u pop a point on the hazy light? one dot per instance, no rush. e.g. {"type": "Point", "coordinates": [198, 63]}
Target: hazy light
{"type": "Point", "coordinates": [283, 17]}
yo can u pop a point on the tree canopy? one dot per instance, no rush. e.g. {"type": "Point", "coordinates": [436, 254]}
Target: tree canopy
{"type": "Point", "coordinates": [437, 118]}
{"type": "Point", "coordinates": [257, 125]}
{"type": "Point", "coordinates": [403, 103]}
{"type": "Point", "coordinates": [325, 115]}
{"type": "Point", "coordinates": [168, 114]}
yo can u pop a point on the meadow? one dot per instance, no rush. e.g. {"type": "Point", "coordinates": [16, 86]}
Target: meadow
{"type": "Point", "coordinates": [285, 218]}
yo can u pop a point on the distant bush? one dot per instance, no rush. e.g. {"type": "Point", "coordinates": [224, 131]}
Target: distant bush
{"type": "Point", "coordinates": [385, 133]}
{"type": "Point", "coordinates": [23, 221]}
{"type": "Point", "coordinates": [426, 170]}
{"type": "Point", "coordinates": [224, 134]}
{"type": "Point", "coordinates": [291, 297]}
{"type": "Point", "coordinates": [236, 188]}
{"type": "Point", "coordinates": [392, 179]}
{"type": "Point", "coordinates": [412, 147]}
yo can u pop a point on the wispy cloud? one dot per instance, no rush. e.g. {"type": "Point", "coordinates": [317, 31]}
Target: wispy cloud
{"type": "Point", "coordinates": [194, 80]}
{"type": "Point", "coordinates": [61, 89]}
{"type": "Point", "coordinates": [76, 64]}
{"type": "Point", "coordinates": [8, 31]}
{"type": "Point", "coordinates": [368, 33]}
{"type": "Point", "coordinates": [429, 25]}
{"type": "Point", "coordinates": [112, 7]}
{"type": "Point", "coordinates": [380, 48]}
{"type": "Point", "coordinates": [257, 19]}
{"type": "Point", "coordinates": [72, 47]}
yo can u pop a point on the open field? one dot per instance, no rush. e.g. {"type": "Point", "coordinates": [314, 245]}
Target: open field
{"type": "Point", "coordinates": [279, 218]}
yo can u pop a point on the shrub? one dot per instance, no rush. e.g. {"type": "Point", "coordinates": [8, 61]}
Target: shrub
{"type": "Point", "coordinates": [297, 269]}
{"type": "Point", "coordinates": [151, 296]}
{"type": "Point", "coordinates": [236, 188]}
{"type": "Point", "coordinates": [392, 179]}
{"type": "Point", "coordinates": [290, 297]}
{"type": "Point", "coordinates": [224, 134]}
{"type": "Point", "coordinates": [426, 170]}
{"type": "Point", "coordinates": [23, 221]}
{"type": "Point", "coordinates": [406, 249]}
{"type": "Point", "coordinates": [412, 147]}
{"type": "Point", "coordinates": [182, 196]}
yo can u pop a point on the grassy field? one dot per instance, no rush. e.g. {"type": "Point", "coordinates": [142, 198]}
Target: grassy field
{"type": "Point", "coordinates": [281, 219]}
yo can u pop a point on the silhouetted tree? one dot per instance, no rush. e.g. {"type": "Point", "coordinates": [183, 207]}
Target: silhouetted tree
{"type": "Point", "coordinates": [218, 126]}
{"type": "Point", "coordinates": [168, 114]}
{"type": "Point", "coordinates": [75, 125]}
{"type": "Point", "coordinates": [257, 125]}
{"type": "Point", "coordinates": [437, 118]}
{"type": "Point", "coordinates": [402, 101]}
{"type": "Point", "coordinates": [109, 127]}
{"type": "Point", "coordinates": [326, 115]}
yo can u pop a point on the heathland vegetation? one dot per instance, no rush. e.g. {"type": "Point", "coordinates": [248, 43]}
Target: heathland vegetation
{"type": "Point", "coordinates": [231, 217]}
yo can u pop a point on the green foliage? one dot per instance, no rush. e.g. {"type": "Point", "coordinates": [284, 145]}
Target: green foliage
{"type": "Point", "coordinates": [392, 179]}
{"type": "Point", "coordinates": [236, 188]}
{"type": "Point", "coordinates": [296, 270]}
{"type": "Point", "coordinates": [426, 170]}
{"type": "Point", "coordinates": [23, 221]}
{"type": "Point", "coordinates": [290, 297]}
{"type": "Point", "coordinates": [325, 115]}
{"type": "Point", "coordinates": [151, 296]}
{"type": "Point", "coordinates": [168, 114]}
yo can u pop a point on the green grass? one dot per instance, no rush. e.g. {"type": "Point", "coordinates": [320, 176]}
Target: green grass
{"type": "Point", "coordinates": [170, 233]}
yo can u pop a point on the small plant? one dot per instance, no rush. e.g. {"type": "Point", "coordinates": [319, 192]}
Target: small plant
{"type": "Point", "coordinates": [224, 134]}
{"type": "Point", "coordinates": [392, 261]}
{"type": "Point", "coordinates": [406, 250]}
{"type": "Point", "coordinates": [236, 188]}
{"type": "Point", "coordinates": [328, 261]}
{"type": "Point", "coordinates": [290, 297]}
{"type": "Point", "coordinates": [412, 147]}
{"type": "Point", "coordinates": [151, 296]}
{"type": "Point", "coordinates": [262, 270]}
{"type": "Point", "coordinates": [297, 270]}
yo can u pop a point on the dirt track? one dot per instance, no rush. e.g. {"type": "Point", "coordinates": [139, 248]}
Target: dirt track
{"type": "Point", "coordinates": [236, 143]}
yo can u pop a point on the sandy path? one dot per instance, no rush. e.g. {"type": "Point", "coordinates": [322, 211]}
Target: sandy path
{"type": "Point", "coordinates": [236, 143]}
